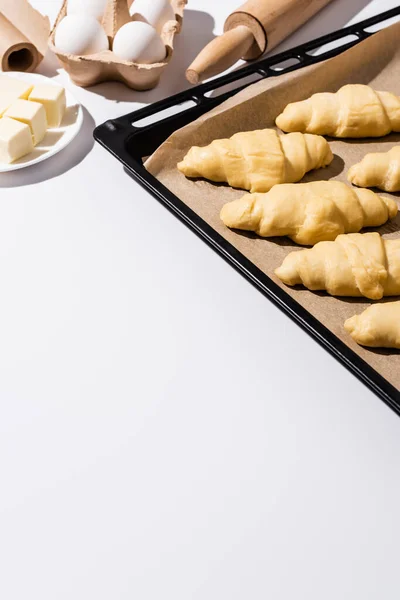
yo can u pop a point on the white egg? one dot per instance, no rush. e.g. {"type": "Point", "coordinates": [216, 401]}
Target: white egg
{"type": "Point", "coordinates": [80, 35]}
{"type": "Point", "coordinates": [153, 12]}
{"type": "Point", "coordinates": [91, 8]}
{"type": "Point", "coordinates": [140, 43]}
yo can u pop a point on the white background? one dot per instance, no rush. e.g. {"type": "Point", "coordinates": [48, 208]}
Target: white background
{"type": "Point", "coordinates": [165, 432]}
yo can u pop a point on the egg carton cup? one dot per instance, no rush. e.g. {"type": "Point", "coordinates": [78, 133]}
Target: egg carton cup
{"type": "Point", "coordinates": [92, 69]}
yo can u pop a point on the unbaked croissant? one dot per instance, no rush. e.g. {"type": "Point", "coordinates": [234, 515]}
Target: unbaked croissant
{"type": "Point", "coordinates": [355, 264]}
{"type": "Point", "coordinates": [353, 111]}
{"type": "Point", "coordinates": [309, 212]}
{"type": "Point", "coordinates": [378, 326]}
{"type": "Point", "coordinates": [378, 169]}
{"type": "Point", "coordinates": [257, 160]}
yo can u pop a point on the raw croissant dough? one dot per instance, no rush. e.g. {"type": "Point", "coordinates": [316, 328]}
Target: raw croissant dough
{"type": "Point", "coordinates": [355, 264]}
{"type": "Point", "coordinates": [257, 160]}
{"type": "Point", "coordinates": [378, 169]}
{"type": "Point", "coordinates": [378, 326]}
{"type": "Point", "coordinates": [309, 212]}
{"type": "Point", "coordinates": [353, 111]}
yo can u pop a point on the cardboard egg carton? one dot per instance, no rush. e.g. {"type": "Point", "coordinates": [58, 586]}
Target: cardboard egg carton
{"type": "Point", "coordinates": [89, 70]}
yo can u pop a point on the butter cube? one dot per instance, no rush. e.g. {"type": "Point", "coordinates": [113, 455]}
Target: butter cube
{"type": "Point", "coordinates": [11, 90]}
{"type": "Point", "coordinates": [31, 113]}
{"type": "Point", "coordinates": [5, 102]}
{"type": "Point", "coordinates": [14, 87]}
{"type": "Point", "coordinates": [15, 140]}
{"type": "Point", "coordinates": [53, 99]}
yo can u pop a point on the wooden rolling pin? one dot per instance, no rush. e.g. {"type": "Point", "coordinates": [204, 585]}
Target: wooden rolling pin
{"type": "Point", "coordinates": [256, 26]}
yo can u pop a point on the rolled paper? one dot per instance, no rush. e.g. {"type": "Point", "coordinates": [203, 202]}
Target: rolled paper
{"type": "Point", "coordinates": [17, 53]}
{"type": "Point", "coordinates": [24, 35]}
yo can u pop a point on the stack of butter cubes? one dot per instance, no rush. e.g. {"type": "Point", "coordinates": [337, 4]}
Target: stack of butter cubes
{"type": "Point", "coordinates": [26, 112]}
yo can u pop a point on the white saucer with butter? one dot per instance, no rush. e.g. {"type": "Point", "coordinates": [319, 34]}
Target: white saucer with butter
{"type": "Point", "coordinates": [56, 138]}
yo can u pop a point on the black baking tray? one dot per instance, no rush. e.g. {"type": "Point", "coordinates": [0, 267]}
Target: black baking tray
{"type": "Point", "coordinates": [130, 142]}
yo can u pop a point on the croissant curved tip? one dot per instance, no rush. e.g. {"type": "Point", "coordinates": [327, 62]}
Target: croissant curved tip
{"type": "Point", "coordinates": [187, 168]}
{"type": "Point", "coordinates": [392, 206]}
{"type": "Point", "coordinates": [291, 120]}
{"type": "Point", "coordinates": [351, 173]}
{"type": "Point", "coordinates": [328, 158]}
{"type": "Point", "coordinates": [226, 215]}
{"type": "Point", "coordinates": [287, 272]}
{"type": "Point", "coordinates": [351, 324]}
{"type": "Point", "coordinates": [239, 214]}
{"type": "Point", "coordinates": [280, 122]}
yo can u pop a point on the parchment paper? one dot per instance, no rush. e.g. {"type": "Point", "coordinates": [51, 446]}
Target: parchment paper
{"type": "Point", "coordinates": [375, 61]}
{"type": "Point", "coordinates": [29, 22]}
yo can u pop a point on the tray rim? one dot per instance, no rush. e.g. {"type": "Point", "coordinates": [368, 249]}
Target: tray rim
{"type": "Point", "coordinates": [117, 134]}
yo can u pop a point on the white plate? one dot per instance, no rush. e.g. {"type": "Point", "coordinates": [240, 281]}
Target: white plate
{"type": "Point", "coordinates": [55, 139]}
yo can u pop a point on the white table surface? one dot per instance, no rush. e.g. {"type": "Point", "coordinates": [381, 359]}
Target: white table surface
{"type": "Point", "coordinates": [165, 431]}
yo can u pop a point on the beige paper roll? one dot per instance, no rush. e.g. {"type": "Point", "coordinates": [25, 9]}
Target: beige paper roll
{"type": "Point", "coordinates": [17, 53]}
{"type": "Point", "coordinates": [24, 34]}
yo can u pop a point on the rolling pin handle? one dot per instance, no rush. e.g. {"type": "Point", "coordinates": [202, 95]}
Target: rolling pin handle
{"type": "Point", "coordinates": [220, 54]}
